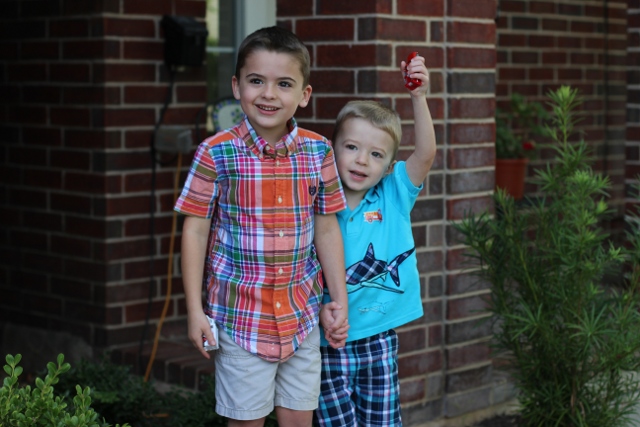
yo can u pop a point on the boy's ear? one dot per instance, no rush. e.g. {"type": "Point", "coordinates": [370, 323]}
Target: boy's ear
{"type": "Point", "coordinates": [390, 168]}
{"type": "Point", "coordinates": [235, 86]}
{"type": "Point", "coordinates": [306, 96]}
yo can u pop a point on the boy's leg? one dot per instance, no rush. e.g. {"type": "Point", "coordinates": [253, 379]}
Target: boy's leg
{"type": "Point", "coordinates": [242, 423]}
{"type": "Point", "coordinates": [291, 418]}
{"type": "Point", "coordinates": [360, 384]}
{"type": "Point", "coordinates": [377, 389]}
{"type": "Point", "coordinates": [298, 384]}
{"type": "Point", "coordinates": [245, 384]}
{"type": "Point", "coordinates": [336, 407]}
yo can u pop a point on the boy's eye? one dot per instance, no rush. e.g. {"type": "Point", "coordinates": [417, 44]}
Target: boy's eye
{"type": "Point", "coordinates": [255, 81]}
{"type": "Point", "coordinates": [285, 84]}
{"type": "Point", "coordinates": [376, 154]}
{"type": "Point", "coordinates": [350, 147]}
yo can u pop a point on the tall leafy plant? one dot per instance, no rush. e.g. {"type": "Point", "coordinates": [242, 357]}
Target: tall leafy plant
{"type": "Point", "coordinates": [570, 340]}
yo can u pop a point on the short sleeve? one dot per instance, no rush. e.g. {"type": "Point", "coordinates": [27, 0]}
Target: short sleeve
{"type": "Point", "coordinates": [330, 195]}
{"type": "Point", "coordinates": [200, 190]}
{"type": "Point", "coordinates": [399, 184]}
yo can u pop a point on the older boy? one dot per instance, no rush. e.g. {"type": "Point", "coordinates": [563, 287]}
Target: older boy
{"type": "Point", "coordinates": [261, 199]}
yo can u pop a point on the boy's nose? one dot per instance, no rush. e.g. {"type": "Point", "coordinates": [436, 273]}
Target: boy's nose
{"type": "Point", "coordinates": [269, 91]}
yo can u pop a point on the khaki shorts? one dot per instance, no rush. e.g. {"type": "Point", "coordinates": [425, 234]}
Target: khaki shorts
{"type": "Point", "coordinates": [248, 388]}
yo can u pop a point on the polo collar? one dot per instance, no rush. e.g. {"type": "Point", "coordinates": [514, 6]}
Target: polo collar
{"type": "Point", "coordinates": [373, 194]}
{"type": "Point", "coordinates": [283, 148]}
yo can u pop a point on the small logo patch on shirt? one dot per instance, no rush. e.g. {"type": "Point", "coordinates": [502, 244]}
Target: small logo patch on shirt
{"type": "Point", "coordinates": [312, 190]}
{"type": "Point", "coordinates": [373, 216]}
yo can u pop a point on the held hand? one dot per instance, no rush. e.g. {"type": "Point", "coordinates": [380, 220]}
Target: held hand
{"type": "Point", "coordinates": [415, 69]}
{"type": "Point", "coordinates": [335, 324]}
{"type": "Point", "coordinates": [199, 326]}
{"type": "Point", "coordinates": [340, 324]}
{"type": "Point", "coordinates": [338, 337]}
{"type": "Point", "coordinates": [336, 340]}
{"type": "Point", "coordinates": [326, 315]}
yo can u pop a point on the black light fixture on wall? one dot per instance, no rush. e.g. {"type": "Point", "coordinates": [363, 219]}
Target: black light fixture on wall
{"type": "Point", "coordinates": [184, 41]}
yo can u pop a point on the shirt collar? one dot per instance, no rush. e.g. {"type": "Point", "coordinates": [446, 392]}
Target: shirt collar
{"type": "Point", "coordinates": [374, 193]}
{"type": "Point", "coordinates": [286, 146]}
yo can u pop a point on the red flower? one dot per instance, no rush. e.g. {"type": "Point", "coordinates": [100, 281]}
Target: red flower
{"type": "Point", "coordinates": [528, 145]}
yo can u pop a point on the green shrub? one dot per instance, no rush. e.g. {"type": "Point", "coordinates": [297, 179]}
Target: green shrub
{"type": "Point", "coordinates": [24, 406]}
{"type": "Point", "coordinates": [120, 395]}
{"type": "Point", "coordinates": [117, 394]}
{"type": "Point", "coordinates": [571, 340]}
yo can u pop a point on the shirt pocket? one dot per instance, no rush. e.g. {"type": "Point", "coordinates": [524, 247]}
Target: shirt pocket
{"type": "Point", "coordinates": [306, 194]}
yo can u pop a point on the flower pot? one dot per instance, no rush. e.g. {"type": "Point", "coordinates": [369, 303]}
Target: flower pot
{"type": "Point", "coordinates": [510, 174]}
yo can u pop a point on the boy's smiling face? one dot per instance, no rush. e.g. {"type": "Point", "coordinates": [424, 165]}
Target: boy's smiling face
{"type": "Point", "coordinates": [363, 155]}
{"type": "Point", "coordinates": [270, 90]}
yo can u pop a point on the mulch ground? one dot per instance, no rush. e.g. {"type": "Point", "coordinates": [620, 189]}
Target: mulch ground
{"type": "Point", "coordinates": [501, 421]}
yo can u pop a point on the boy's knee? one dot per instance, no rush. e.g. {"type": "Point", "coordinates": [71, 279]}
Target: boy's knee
{"type": "Point", "coordinates": [291, 418]}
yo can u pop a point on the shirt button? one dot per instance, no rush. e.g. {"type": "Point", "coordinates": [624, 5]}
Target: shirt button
{"type": "Point", "coordinates": [279, 199]}
{"type": "Point", "coordinates": [277, 305]}
{"type": "Point", "coordinates": [280, 270]}
{"type": "Point", "coordinates": [351, 219]}
{"type": "Point", "coordinates": [277, 162]}
{"type": "Point", "coordinates": [281, 234]}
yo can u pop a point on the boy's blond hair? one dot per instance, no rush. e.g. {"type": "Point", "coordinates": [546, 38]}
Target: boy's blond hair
{"type": "Point", "coordinates": [379, 115]}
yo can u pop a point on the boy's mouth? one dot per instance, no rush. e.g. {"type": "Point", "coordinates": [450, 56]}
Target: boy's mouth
{"type": "Point", "coordinates": [359, 174]}
{"type": "Point", "coordinates": [266, 108]}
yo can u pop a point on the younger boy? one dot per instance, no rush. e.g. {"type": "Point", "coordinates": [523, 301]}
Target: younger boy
{"type": "Point", "coordinates": [360, 381]}
{"type": "Point", "coordinates": [250, 236]}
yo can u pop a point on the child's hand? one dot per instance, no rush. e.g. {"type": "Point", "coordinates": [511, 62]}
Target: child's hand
{"type": "Point", "coordinates": [199, 326]}
{"type": "Point", "coordinates": [417, 70]}
{"type": "Point", "coordinates": [335, 324]}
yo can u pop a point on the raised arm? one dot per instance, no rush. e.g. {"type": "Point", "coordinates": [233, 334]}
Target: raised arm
{"type": "Point", "coordinates": [420, 161]}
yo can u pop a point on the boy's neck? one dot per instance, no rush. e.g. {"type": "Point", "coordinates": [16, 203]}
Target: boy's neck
{"type": "Point", "coordinates": [353, 198]}
{"type": "Point", "coordinates": [272, 136]}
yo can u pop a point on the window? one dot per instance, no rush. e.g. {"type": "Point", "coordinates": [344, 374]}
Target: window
{"type": "Point", "coordinates": [229, 22]}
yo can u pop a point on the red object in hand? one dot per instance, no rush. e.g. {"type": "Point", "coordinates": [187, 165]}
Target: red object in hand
{"type": "Point", "coordinates": [410, 83]}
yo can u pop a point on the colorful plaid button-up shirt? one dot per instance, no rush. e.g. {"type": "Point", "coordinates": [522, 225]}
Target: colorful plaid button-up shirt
{"type": "Point", "coordinates": [263, 279]}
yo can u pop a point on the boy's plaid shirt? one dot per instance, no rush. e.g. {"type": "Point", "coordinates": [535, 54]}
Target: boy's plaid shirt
{"type": "Point", "coordinates": [262, 276]}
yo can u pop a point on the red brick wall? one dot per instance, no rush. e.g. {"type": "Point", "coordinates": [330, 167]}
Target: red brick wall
{"type": "Point", "coordinates": [633, 102]}
{"type": "Point", "coordinates": [544, 44]}
{"type": "Point", "coordinates": [356, 49]}
{"type": "Point", "coordinates": [83, 84]}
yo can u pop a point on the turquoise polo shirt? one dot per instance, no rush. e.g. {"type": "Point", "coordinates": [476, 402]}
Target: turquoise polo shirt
{"type": "Point", "coordinates": [383, 284]}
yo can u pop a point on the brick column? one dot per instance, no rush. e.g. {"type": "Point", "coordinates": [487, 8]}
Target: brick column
{"type": "Point", "coordinates": [83, 85]}
{"type": "Point", "coordinates": [633, 103]}
{"type": "Point", "coordinates": [356, 49]}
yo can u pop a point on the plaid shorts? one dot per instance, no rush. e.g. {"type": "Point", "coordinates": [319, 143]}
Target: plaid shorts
{"type": "Point", "coordinates": [360, 383]}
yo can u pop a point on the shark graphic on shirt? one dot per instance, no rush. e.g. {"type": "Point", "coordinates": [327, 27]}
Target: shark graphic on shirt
{"type": "Point", "coordinates": [373, 273]}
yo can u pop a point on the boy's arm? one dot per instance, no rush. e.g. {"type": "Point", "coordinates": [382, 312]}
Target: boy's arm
{"type": "Point", "coordinates": [195, 237]}
{"type": "Point", "coordinates": [328, 243]}
{"type": "Point", "coordinates": [420, 161]}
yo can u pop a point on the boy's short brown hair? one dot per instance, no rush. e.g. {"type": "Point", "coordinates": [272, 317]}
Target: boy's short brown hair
{"type": "Point", "coordinates": [379, 115]}
{"type": "Point", "coordinates": [275, 39]}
